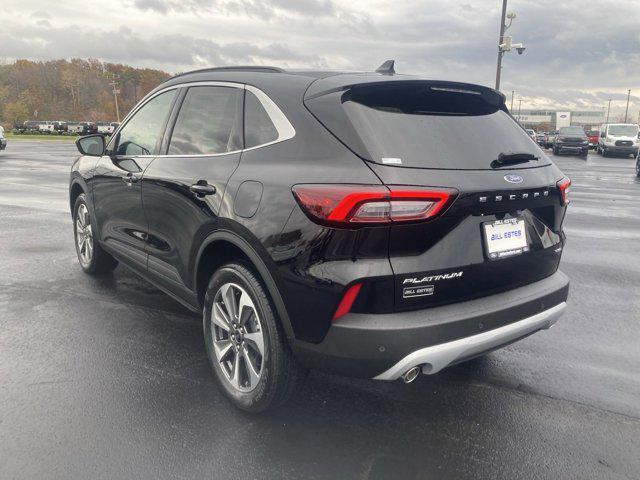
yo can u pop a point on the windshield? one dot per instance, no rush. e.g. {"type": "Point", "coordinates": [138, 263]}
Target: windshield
{"type": "Point", "coordinates": [423, 126]}
{"type": "Point", "coordinates": [623, 130]}
{"type": "Point", "coordinates": [571, 131]}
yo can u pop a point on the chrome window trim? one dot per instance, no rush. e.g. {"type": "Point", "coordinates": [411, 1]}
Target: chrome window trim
{"type": "Point", "coordinates": [280, 121]}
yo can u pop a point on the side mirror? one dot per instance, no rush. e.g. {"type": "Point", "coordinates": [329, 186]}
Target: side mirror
{"type": "Point", "coordinates": [602, 135]}
{"type": "Point", "coordinates": [93, 145]}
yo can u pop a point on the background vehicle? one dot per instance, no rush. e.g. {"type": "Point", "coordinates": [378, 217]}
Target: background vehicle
{"type": "Point", "coordinates": [3, 141]}
{"type": "Point", "coordinates": [46, 127]}
{"type": "Point", "coordinates": [75, 127]}
{"type": "Point", "coordinates": [638, 164]}
{"type": "Point", "coordinates": [618, 139]}
{"type": "Point", "coordinates": [541, 138]}
{"type": "Point", "coordinates": [571, 140]}
{"type": "Point", "coordinates": [31, 125]}
{"type": "Point", "coordinates": [59, 127]}
{"type": "Point", "coordinates": [290, 208]}
{"type": "Point", "coordinates": [532, 134]}
{"type": "Point", "coordinates": [593, 136]}
{"type": "Point", "coordinates": [551, 138]}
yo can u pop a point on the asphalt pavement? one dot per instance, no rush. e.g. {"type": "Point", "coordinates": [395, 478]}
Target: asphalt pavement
{"type": "Point", "coordinates": [107, 377]}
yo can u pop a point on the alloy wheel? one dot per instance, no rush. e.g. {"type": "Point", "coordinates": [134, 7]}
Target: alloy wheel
{"type": "Point", "coordinates": [84, 235]}
{"type": "Point", "coordinates": [237, 337]}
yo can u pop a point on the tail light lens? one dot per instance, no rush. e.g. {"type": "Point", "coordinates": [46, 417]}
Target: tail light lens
{"type": "Point", "coordinates": [353, 205]}
{"type": "Point", "coordinates": [347, 301]}
{"type": "Point", "coordinates": [564, 189]}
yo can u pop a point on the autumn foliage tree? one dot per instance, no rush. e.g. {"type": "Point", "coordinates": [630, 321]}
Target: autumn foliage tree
{"type": "Point", "coordinates": [72, 90]}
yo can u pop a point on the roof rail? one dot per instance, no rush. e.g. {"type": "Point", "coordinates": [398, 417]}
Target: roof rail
{"type": "Point", "coordinates": [239, 68]}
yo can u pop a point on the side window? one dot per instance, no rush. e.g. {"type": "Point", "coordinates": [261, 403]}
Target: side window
{"type": "Point", "coordinates": [142, 132]}
{"type": "Point", "coordinates": [208, 122]}
{"type": "Point", "coordinates": [258, 127]}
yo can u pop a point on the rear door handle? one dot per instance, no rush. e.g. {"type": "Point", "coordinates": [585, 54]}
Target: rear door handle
{"type": "Point", "coordinates": [130, 179]}
{"type": "Point", "coordinates": [202, 188]}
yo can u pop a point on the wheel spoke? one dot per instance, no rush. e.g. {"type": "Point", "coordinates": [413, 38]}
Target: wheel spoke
{"type": "Point", "coordinates": [245, 308]}
{"type": "Point", "coordinates": [256, 341]}
{"type": "Point", "coordinates": [228, 297]}
{"type": "Point", "coordinates": [253, 375]}
{"type": "Point", "coordinates": [235, 373]}
{"type": "Point", "coordinates": [223, 348]}
{"type": "Point", "coordinates": [89, 248]}
{"type": "Point", "coordinates": [220, 317]}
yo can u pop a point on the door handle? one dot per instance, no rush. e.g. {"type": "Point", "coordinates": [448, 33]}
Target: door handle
{"type": "Point", "coordinates": [202, 188]}
{"type": "Point", "coordinates": [130, 179]}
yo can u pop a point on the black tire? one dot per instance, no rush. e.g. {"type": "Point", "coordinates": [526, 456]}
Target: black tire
{"type": "Point", "coordinates": [555, 151]}
{"type": "Point", "coordinates": [585, 154]}
{"type": "Point", "coordinates": [638, 167]}
{"type": "Point", "coordinates": [604, 153]}
{"type": "Point", "coordinates": [100, 261]}
{"type": "Point", "coordinates": [280, 374]}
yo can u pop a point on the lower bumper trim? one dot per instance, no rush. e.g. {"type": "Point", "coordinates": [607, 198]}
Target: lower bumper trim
{"type": "Point", "coordinates": [435, 358]}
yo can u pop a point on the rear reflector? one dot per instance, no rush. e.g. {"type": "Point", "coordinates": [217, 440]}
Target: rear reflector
{"type": "Point", "coordinates": [351, 205]}
{"type": "Point", "coordinates": [347, 301]}
{"type": "Point", "coordinates": [564, 189]}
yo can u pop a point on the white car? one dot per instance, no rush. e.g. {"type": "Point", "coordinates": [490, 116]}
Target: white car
{"type": "Point", "coordinates": [532, 134]}
{"type": "Point", "coordinates": [619, 138]}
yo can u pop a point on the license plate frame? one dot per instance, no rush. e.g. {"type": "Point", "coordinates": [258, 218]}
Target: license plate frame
{"type": "Point", "coordinates": [505, 238]}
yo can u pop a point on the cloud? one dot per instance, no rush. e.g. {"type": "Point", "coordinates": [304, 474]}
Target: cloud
{"type": "Point", "coordinates": [575, 54]}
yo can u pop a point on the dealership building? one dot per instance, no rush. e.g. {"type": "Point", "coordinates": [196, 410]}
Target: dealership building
{"type": "Point", "coordinates": [589, 119]}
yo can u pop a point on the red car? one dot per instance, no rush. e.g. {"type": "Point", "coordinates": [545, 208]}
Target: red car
{"type": "Point", "coordinates": [593, 138]}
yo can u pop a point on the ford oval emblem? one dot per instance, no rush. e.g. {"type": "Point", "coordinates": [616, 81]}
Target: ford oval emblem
{"type": "Point", "coordinates": [513, 178]}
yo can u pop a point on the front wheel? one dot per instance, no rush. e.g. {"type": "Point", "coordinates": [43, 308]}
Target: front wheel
{"type": "Point", "coordinates": [245, 342]}
{"type": "Point", "coordinates": [93, 259]}
{"type": "Point", "coordinates": [638, 167]}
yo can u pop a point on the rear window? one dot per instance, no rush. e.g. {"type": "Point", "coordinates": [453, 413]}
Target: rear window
{"type": "Point", "coordinates": [572, 131]}
{"type": "Point", "coordinates": [424, 125]}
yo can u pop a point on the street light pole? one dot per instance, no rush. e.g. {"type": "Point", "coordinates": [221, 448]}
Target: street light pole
{"type": "Point", "coordinates": [627, 109]}
{"type": "Point", "coordinates": [519, 109]}
{"type": "Point", "coordinates": [608, 110]}
{"type": "Point", "coordinates": [500, 42]}
{"type": "Point", "coordinates": [512, 93]}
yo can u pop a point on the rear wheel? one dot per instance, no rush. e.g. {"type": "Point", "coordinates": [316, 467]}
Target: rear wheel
{"type": "Point", "coordinates": [638, 166]}
{"type": "Point", "coordinates": [604, 152]}
{"type": "Point", "coordinates": [555, 151]}
{"type": "Point", "coordinates": [92, 258]}
{"type": "Point", "coordinates": [245, 342]}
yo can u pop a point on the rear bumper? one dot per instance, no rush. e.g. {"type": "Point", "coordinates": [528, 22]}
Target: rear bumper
{"type": "Point", "coordinates": [384, 346]}
{"type": "Point", "coordinates": [621, 150]}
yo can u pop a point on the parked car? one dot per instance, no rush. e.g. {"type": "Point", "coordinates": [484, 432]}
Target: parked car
{"type": "Point", "coordinates": [618, 139]}
{"type": "Point", "coordinates": [638, 164]}
{"type": "Point", "coordinates": [571, 140]}
{"type": "Point", "coordinates": [75, 127]}
{"type": "Point", "coordinates": [592, 136]}
{"type": "Point", "coordinates": [31, 125]}
{"type": "Point", "coordinates": [551, 138]}
{"type": "Point", "coordinates": [46, 127]}
{"type": "Point", "coordinates": [541, 138]}
{"type": "Point", "coordinates": [305, 216]}
{"type": "Point", "coordinates": [59, 127]}
{"type": "Point", "coordinates": [106, 128]}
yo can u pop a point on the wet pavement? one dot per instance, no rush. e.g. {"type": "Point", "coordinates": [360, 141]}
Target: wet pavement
{"type": "Point", "coordinates": [107, 377]}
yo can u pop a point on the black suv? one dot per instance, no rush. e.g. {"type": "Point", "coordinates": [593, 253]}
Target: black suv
{"type": "Point", "coordinates": [572, 140]}
{"type": "Point", "coordinates": [371, 224]}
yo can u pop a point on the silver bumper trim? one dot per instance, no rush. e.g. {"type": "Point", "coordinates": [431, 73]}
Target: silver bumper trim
{"type": "Point", "coordinates": [435, 358]}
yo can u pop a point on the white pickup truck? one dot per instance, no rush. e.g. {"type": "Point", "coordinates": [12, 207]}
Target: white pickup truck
{"type": "Point", "coordinates": [3, 141]}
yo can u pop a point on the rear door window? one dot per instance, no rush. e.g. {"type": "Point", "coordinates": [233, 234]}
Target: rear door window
{"type": "Point", "coordinates": [209, 122]}
{"type": "Point", "coordinates": [424, 126]}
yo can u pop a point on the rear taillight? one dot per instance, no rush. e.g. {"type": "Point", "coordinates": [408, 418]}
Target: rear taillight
{"type": "Point", "coordinates": [353, 205]}
{"type": "Point", "coordinates": [564, 189]}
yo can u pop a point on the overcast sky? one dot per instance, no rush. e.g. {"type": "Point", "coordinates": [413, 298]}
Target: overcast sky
{"type": "Point", "coordinates": [579, 53]}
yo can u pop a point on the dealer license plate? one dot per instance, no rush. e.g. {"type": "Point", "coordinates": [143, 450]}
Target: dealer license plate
{"type": "Point", "coordinates": [505, 238]}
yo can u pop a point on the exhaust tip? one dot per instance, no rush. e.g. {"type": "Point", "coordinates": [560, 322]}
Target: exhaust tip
{"type": "Point", "coordinates": [411, 374]}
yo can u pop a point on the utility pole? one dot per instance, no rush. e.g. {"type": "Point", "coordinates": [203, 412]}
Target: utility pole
{"type": "Point", "coordinates": [608, 110]}
{"type": "Point", "coordinates": [519, 109]}
{"type": "Point", "coordinates": [114, 84]}
{"type": "Point", "coordinates": [512, 93]}
{"type": "Point", "coordinates": [500, 42]}
{"type": "Point", "coordinates": [627, 109]}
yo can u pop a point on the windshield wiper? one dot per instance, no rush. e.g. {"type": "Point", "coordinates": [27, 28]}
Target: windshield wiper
{"type": "Point", "coordinates": [512, 159]}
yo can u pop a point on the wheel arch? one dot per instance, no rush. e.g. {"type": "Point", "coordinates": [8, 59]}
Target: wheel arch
{"type": "Point", "coordinates": [226, 245]}
{"type": "Point", "coordinates": [76, 188]}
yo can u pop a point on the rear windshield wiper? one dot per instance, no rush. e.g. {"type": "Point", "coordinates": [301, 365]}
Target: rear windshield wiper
{"type": "Point", "coordinates": [512, 159]}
